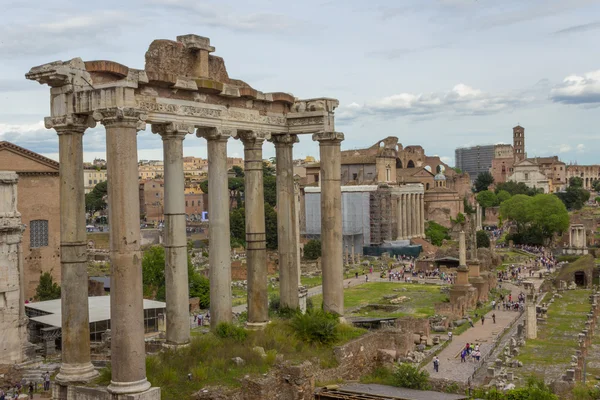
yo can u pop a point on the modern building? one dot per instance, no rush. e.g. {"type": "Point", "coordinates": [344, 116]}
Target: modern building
{"type": "Point", "coordinates": [38, 201]}
{"type": "Point", "coordinates": [474, 160]}
{"type": "Point", "coordinates": [92, 177]}
{"type": "Point", "coordinates": [45, 320]}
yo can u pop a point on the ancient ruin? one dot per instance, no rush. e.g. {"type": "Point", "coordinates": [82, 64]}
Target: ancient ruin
{"type": "Point", "coordinates": [183, 89]}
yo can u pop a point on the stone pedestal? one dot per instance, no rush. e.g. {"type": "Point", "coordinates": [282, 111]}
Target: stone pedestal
{"type": "Point", "coordinates": [126, 297]}
{"type": "Point", "coordinates": [218, 232]}
{"type": "Point", "coordinates": [531, 318]}
{"type": "Point", "coordinates": [477, 281]}
{"type": "Point", "coordinates": [91, 393]}
{"type": "Point", "coordinates": [331, 221]}
{"type": "Point", "coordinates": [286, 221]}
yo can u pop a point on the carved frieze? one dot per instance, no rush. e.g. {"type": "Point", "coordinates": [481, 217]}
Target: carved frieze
{"type": "Point", "coordinates": [215, 133]}
{"type": "Point", "coordinates": [123, 116]}
{"type": "Point", "coordinates": [322, 104]}
{"type": "Point", "coordinates": [72, 123]}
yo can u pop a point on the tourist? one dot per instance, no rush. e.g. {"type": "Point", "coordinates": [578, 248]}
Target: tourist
{"type": "Point", "coordinates": [493, 304]}
{"type": "Point", "coordinates": [463, 355]}
{"type": "Point", "coordinates": [482, 319]}
{"type": "Point", "coordinates": [477, 355]}
{"type": "Point", "coordinates": [494, 317]}
{"type": "Point", "coordinates": [449, 335]}
{"type": "Point", "coordinates": [471, 322]}
{"type": "Point", "coordinates": [46, 381]}
{"type": "Point", "coordinates": [30, 390]}
{"type": "Point", "coordinates": [366, 278]}
{"type": "Point", "coordinates": [2, 395]}
{"type": "Point", "coordinates": [356, 275]}
{"type": "Point", "coordinates": [436, 364]}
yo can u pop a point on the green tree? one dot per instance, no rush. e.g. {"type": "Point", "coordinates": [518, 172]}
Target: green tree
{"type": "Point", "coordinates": [312, 249]}
{"type": "Point", "coordinates": [514, 188]}
{"type": "Point", "coordinates": [574, 197]}
{"type": "Point", "coordinates": [271, 226]}
{"type": "Point", "coordinates": [597, 199]}
{"type": "Point", "coordinates": [483, 239]}
{"type": "Point", "coordinates": [436, 233]}
{"type": "Point", "coordinates": [457, 170]}
{"type": "Point", "coordinates": [94, 200]}
{"type": "Point", "coordinates": [47, 289]}
{"type": "Point", "coordinates": [268, 170]}
{"type": "Point", "coordinates": [409, 376]}
{"type": "Point", "coordinates": [596, 185]}
{"type": "Point", "coordinates": [516, 209]}
{"type": "Point", "coordinates": [237, 225]}
{"type": "Point", "coordinates": [575, 182]}
{"type": "Point", "coordinates": [469, 209]}
{"type": "Point", "coordinates": [487, 199]}
{"type": "Point", "coordinates": [502, 195]}
{"type": "Point", "coordinates": [270, 190]}
{"type": "Point", "coordinates": [238, 171]}
{"type": "Point", "coordinates": [483, 181]}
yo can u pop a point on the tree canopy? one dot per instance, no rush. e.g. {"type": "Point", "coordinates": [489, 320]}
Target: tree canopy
{"type": "Point", "coordinates": [483, 239]}
{"type": "Point", "coordinates": [536, 218]}
{"type": "Point", "coordinates": [502, 195]}
{"type": "Point", "coordinates": [576, 182]}
{"type": "Point", "coordinates": [312, 249]}
{"type": "Point", "coordinates": [94, 200]}
{"type": "Point", "coordinates": [47, 289]}
{"type": "Point", "coordinates": [237, 226]}
{"type": "Point", "coordinates": [436, 233]}
{"type": "Point", "coordinates": [483, 181]}
{"type": "Point", "coordinates": [487, 198]}
{"type": "Point", "coordinates": [514, 188]}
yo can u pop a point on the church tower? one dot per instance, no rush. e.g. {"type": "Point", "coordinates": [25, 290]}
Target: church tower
{"type": "Point", "coordinates": [519, 143]}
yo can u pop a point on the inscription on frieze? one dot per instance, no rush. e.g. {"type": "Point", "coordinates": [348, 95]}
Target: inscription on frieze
{"type": "Point", "coordinates": [306, 121]}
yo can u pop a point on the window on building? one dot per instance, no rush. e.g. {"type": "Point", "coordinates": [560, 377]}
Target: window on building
{"type": "Point", "coordinates": [186, 203]}
{"type": "Point", "coordinates": [354, 177]}
{"type": "Point", "coordinates": [95, 181]}
{"type": "Point", "coordinates": [38, 233]}
{"type": "Point", "coordinates": [526, 176]}
{"type": "Point", "coordinates": [90, 182]}
{"type": "Point", "coordinates": [192, 203]}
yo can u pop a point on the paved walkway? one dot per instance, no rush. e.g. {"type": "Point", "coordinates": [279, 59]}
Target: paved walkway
{"type": "Point", "coordinates": [450, 365]}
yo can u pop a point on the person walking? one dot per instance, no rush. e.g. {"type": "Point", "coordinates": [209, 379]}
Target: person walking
{"type": "Point", "coordinates": [463, 356]}
{"type": "Point", "coordinates": [449, 335]}
{"type": "Point", "coordinates": [30, 390]}
{"type": "Point", "coordinates": [482, 319]}
{"type": "Point", "coordinates": [494, 317]}
{"type": "Point", "coordinates": [46, 381]}
{"type": "Point", "coordinates": [471, 322]}
{"type": "Point", "coordinates": [436, 364]}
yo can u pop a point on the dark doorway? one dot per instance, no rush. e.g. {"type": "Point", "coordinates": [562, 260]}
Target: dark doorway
{"type": "Point", "coordinates": [580, 278]}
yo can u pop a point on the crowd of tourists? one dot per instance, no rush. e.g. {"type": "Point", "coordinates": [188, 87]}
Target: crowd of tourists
{"type": "Point", "coordinates": [470, 352]}
{"type": "Point", "coordinates": [13, 392]}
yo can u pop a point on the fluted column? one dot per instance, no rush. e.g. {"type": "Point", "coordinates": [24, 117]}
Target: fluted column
{"type": "Point", "coordinates": [219, 246]}
{"type": "Point", "coordinates": [331, 220]}
{"type": "Point", "coordinates": [76, 366]}
{"type": "Point", "coordinates": [256, 253]}
{"type": "Point", "coordinates": [404, 202]}
{"type": "Point", "coordinates": [175, 244]}
{"type": "Point", "coordinates": [128, 351]}
{"type": "Point", "coordinates": [286, 220]}
{"type": "Point", "coordinates": [399, 217]}
{"type": "Point", "coordinates": [410, 215]}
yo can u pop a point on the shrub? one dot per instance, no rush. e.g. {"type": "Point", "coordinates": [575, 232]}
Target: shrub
{"type": "Point", "coordinates": [409, 376]}
{"type": "Point", "coordinates": [312, 249]}
{"type": "Point", "coordinates": [483, 240]}
{"type": "Point", "coordinates": [225, 330]}
{"type": "Point", "coordinates": [275, 308]}
{"type": "Point", "coordinates": [436, 233]}
{"type": "Point", "coordinates": [317, 327]}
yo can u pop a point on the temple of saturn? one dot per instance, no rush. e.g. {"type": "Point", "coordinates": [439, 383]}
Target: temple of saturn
{"type": "Point", "coordinates": [182, 90]}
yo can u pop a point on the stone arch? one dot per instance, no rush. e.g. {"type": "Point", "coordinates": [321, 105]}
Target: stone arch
{"type": "Point", "coordinates": [399, 163]}
{"type": "Point", "coordinates": [580, 278]}
{"type": "Point", "coordinates": [428, 168]}
{"type": "Point", "coordinates": [410, 164]}
{"type": "Point", "coordinates": [440, 168]}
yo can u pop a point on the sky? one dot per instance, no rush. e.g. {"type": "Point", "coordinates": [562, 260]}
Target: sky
{"type": "Point", "coordinates": [437, 73]}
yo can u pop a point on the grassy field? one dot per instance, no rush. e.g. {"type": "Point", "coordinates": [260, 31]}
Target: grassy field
{"type": "Point", "coordinates": [551, 352]}
{"type": "Point", "coordinates": [420, 303]}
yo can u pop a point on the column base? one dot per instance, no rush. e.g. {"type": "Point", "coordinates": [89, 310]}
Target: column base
{"type": "Point", "coordinates": [175, 346]}
{"type": "Point", "coordinates": [70, 374]}
{"type": "Point", "coordinates": [129, 387]}
{"type": "Point", "coordinates": [257, 326]}
{"type": "Point", "coordinates": [100, 393]}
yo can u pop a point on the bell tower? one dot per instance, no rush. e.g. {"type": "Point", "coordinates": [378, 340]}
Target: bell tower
{"type": "Point", "coordinates": [519, 143]}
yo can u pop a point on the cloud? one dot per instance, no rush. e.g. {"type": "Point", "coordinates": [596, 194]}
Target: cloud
{"type": "Point", "coordinates": [564, 148]}
{"type": "Point", "coordinates": [580, 148]}
{"type": "Point", "coordinates": [65, 32]}
{"type": "Point", "coordinates": [401, 52]}
{"type": "Point", "coordinates": [579, 28]}
{"type": "Point", "coordinates": [462, 100]}
{"type": "Point", "coordinates": [578, 89]}
{"type": "Point", "coordinates": [219, 16]}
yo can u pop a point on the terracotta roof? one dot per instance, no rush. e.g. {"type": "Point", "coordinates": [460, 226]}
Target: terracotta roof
{"type": "Point", "coordinates": [410, 171]}
{"type": "Point", "coordinates": [29, 154]}
{"type": "Point", "coordinates": [545, 160]}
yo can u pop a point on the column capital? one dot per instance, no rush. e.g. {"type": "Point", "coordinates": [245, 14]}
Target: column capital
{"type": "Point", "coordinates": [173, 130]}
{"type": "Point", "coordinates": [253, 136]}
{"type": "Point", "coordinates": [286, 139]}
{"type": "Point", "coordinates": [125, 117]}
{"type": "Point", "coordinates": [215, 133]}
{"type": "Point", "coordinates": [328, 137]}
{"type": "Point", "coordinates": [73, 123]}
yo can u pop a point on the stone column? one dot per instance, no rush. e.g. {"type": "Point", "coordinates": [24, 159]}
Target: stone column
{"type": "Point", "coordinates": [126, 296]}
{"type": "Point", "coordinates": [462, 249]}
{"type": "Point", "coordinates": [76, 364]}
{"type": "Point", "coordinates": [175, 240]}
{"type": "Point", "coordinates": [331, 220]}
{"type": "Point", "coordinates": [286, 220]}
{"type": "Point", "coordinates": [256, 253]}
{"type": "Point", "coordinates": [422, 205]}
{"type": "Point", "coordinates": [399, 218]}
{"type": "Point", "coordinates": [410, 213]}
{"type": "Point", "coordinates": [219, 245]}
{"type": "Point", "coordinates": [404, 202]}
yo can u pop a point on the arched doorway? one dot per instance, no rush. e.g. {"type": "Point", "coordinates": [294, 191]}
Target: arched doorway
{"type": "Point", "coordinates": [410, 164]}
{"type": "Point", "coordinates": [399, 163]}
{"type": "Point", "coordinates": [440, 169]}
{"type": "Point", "coordinates": [580, 279]}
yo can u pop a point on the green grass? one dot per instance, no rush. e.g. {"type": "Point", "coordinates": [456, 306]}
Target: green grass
{"type": "Point", "coordinates": [557, 338]}
{"type": "Point", "coordinates": [311, 281]}
{"type": "Point", "coordinates": [209, 359]}
{"type": "Point", "coordinates": [421, 303]}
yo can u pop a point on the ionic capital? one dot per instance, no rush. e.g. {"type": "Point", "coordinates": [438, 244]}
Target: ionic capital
{"type": "Point", "coordinates": [250, 137]}
{"type": "Point", "coordinates": [68, 124]}
{"type": "Point", "coordinates": [328, 137]}
{"type": "Point", "coordinates": [125, 117]}
{"type": "Point", "coordinates": [284, 140]}
{"type": "Point", "coordinates": [173, 130]}
{"type": "Point", "coordinates": [215, 133]}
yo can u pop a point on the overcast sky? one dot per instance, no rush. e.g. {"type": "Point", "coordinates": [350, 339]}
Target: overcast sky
{"type": "Point", "coordinates": [438, 73]}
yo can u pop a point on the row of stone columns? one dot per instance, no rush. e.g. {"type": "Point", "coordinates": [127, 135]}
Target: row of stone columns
{"type": "Point", "coordinates": [410, 215]}
{"type": "Point", "coordinates": [127, 323]}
